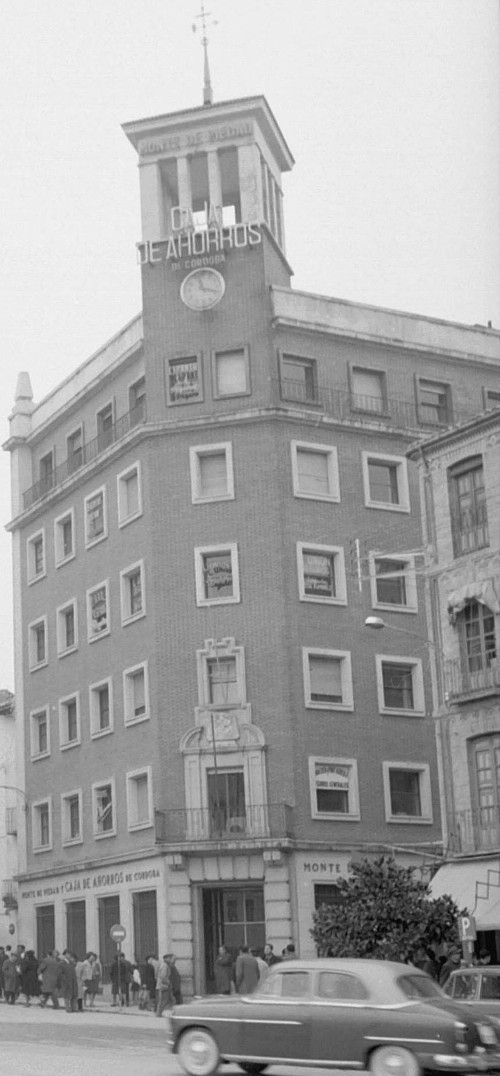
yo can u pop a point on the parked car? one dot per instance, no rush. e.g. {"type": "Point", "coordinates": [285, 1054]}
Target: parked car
{"type": "Point", "coordinates": [480, 985]}
{"type": "Point", "coordinates": [390, 1018]}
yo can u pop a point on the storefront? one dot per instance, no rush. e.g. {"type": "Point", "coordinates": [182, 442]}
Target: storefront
{"type": "Point", "coordinates": [474, 885]}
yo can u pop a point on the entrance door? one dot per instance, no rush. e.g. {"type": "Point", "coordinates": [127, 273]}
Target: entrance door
{"type": "Point", "coordinates": [145, 925]}
{"type": "Point", "coordinates": [45, 929]}
{"type": "Point", "coordinates": [76, 933]}
{"type": "Point", "coordinates": [109, 914]}
{"type": "Point", "coordinates": [233, 916]}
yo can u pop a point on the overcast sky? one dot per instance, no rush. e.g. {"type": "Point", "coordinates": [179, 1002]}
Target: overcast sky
{"type": "Point", "coordinates": [390, 107]}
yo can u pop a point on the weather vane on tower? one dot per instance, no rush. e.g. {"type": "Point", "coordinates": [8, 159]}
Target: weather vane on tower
{"type": "Point", "coordinates": [207, 85]}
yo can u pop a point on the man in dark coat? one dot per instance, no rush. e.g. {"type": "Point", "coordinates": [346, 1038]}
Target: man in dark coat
{"type": "Point", "coordinates": [269, 955]}
{"type": "Point", "coordinates": [50, 971]}
{"type": "Point", "coordinates": [29, 976]}
{"type": "Point", "coordinates": [175, 980]}
{"type": "Point", "coordinates": [69, 981]}
{"type": "Point", "coordinates": [246, 971]}
{"type": "Point", "coordinates": [223, 971]}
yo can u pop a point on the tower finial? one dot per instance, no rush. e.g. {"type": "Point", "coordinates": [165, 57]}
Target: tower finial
{"type": "Point", "coordinates": [207, 85]}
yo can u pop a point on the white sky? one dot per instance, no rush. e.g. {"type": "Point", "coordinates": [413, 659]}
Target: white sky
{"type": "Point", "coordinates": [390, 107]}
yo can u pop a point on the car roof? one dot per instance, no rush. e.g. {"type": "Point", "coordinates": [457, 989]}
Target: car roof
{"type": "Point", "coordinates": [480, 969]}
{"type": "Point", "coordinates": [351, 963]}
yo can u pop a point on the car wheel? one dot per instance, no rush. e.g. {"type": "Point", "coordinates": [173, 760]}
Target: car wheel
{"type": "Point", "coordinates": [198, 1052]}
{"type": "Point", "coordinates": [393, 1061]}
{"type": "Point", "coordinates": [252, 1067]}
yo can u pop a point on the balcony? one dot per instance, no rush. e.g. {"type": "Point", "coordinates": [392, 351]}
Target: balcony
{"type": "Point", "coordinates": [474, 831]}
{"type": "Point", "coordinates": [470, 531]}
{"type": "Point", "coordinates": [85, 454]}
{"type": "Point", "coordinates": [9, 894]}
{"type": "Point", "coordinates": [460, 684]}
{"type": "Point", "coordinates": [202, 824]}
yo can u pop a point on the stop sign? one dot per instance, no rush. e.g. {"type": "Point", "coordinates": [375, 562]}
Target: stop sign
{"type": "Point", "coordinates": [118, 933]}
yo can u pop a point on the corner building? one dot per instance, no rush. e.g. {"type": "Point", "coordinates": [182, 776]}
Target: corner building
{"type": "Point", "coordinates": [204, 514]}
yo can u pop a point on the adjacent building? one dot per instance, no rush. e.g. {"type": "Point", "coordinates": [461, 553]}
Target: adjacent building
{"type": "Point", "coordinates": [12, 801]}
{"type": "Point", "coordinates": [459, 473]}
{"type": "Point", "coordinates": [203, 515]}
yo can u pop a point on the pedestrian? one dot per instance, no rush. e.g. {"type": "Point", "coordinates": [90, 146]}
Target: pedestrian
{"type": "Point", "coordinates": [289, 952]}
{"type": "Point", "coordinates": [246, 971]}
{"type": "Point", "coordinates": [3, 958]}
{"type": "Point", "coordinates": [451, 964]}
{"type": "Point", "coordinates": [80, 972]}
{"type": "Point", "coordinates": [484, 957]}
{"type": "Point", "coordinates": [263, 968]}
{"type": "Point", "coordinates": [95, 979]}
{"type": "Point", "coordinates": [125, 979]}
{"type": "Point", "coordinates": [136, 984]}
{"type": "Point", "coordinates": [11, 978]}
{"type": "Point", "coordinates": [223, 970]}
{"type": "Point", "coordinates": [431, 965]}
{"type": "Point", "coordinates": [69, 982]}
{"type": "Point", "coordinates": [175, 980]}
{"type": "Point", "coordinates": [50, 971]}
{"type": "Point", "coordinates": [269, 955]}
{"type": "Point", "coordinates": [164, 997]}
{"type": "Point", "coordinates": [115, 976]}
{"type": "Point", "coordinates": [147, 997]}
{"type": "Point", "coordinates": [29, 976]}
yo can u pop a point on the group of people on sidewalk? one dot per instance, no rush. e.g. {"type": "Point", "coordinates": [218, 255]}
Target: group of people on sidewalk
{"type": "Point", "coordinates": [243, 974]}
{"type": "Point", "coordinates": [75, 981]}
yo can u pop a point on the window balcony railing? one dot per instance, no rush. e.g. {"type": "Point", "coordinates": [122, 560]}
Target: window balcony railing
{"type": "Point", "coordinates": [460, 682]}
{"type": "Point", "coordinates": [470, 531]}
{"type": "Point", "coordinates": [86, 454]}
{"type": "Point", "coordinates": [348, 406]}
{"type": "Point", "coordinates": [476, 830]}
{"type": "Point", "coordinates": [257, 822]}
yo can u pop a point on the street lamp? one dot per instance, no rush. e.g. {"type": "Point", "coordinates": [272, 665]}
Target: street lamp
{"type": "Point", "coordinates": [376, 622]}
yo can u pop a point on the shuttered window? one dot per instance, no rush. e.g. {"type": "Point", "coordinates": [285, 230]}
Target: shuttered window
{"type": "Point", "coordinates": [231, 372]}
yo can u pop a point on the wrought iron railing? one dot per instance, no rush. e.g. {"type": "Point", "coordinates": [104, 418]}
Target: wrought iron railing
{"type": "Point", "coordinates": [86, 454]}
{"type": "Point", "coordinates": [475, 830]}
{"type": "Point", "coordinates": [470, 531]}
{"type": "Point", "coordinates": [348, 406]}
{"type": "Point", "coordinates": [459, 681]}
{"type": "Point", "coordinates": [256, 822]}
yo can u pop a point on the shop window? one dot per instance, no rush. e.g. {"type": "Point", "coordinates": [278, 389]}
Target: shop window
{"type": "Point", "coordinates": [133, 603]}
{"type": "Point", "coordinates": [71, 817]}
{"type": "Point", "coordinates": [400, 685]}
{"type": "Point", "coordinates": [103, 799]}
{"type": "Point", "coordinates": [139, 799]}
{"type": "Point", "coordinates": [321, 572]}
{"type": "Point", "coordinates": [40, 733]}
{"type": "Point", "coordinates": [98, 612]}
{"type": "Point", "coordinates": [327, 679]}
{"type": "Point", "coordinates": [217, 575]}
{"type": "Point", "coordinates": [211, 469]}
{"type": "Point", "coordinates": [407, 792]}
{"type": "Point", "coordinates": [38, 644]}
{"type": "Point", "coordinates": [64, 529]}
{"type": "Point", "coordinates": [385, 482]}
{"type": "Point", "coordinates": [129, 495]}
{"type": "Point", "coordinates": [315, 471]}
{"type": "Point", "coordinates": [393, 582]}
{"type": "Point", "coordinates": [137, 401]}
{"type": "Point", "coordinates": [41, 820]}
{"type": "Point", "coordinates": [368, 390]}
{"type": "Point", "coordinates": [136, 694]}
{"type": "Point", "coordinates": [333, 785]}
{"type": "Point", "coordinates": [67, 628]}
{"type": "Point", "coordinates": [298, 379]}
{"type": "Point", "coordinates": [95, 517]}
{"type": "Point", "coordinates": [69, 721]}
{"type": "Point", "coordinates": [231, 374]}
{"type": "Point", "coordinates": [434, 402]}
{"type": "Point", "coordinates": [184, 380]}
{"type": "Point", "coordinates": [469, 516]}
{"type": "Point", "coordinates": [329, 894]}
{"type": "Point", "coordinates": [74, 450]}
{"type": "Point", "coordinates": [101, 708]}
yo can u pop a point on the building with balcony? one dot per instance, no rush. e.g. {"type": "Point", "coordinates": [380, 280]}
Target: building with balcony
{"type": "Point", "coordinates": [459, 473]}
{"type": "Point", "coordinates": [203, 515]}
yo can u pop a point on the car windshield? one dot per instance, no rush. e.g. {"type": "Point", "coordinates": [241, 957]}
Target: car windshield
{"type": "Point", "coordinates": [461, 986]}
{"type": "Point", "coordinates": [490, 987]}
{"type": "Point", "coordinates": [419, 986]}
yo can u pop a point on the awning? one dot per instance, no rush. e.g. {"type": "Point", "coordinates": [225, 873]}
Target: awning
{"type": "Point", "coordinates": [479, 591]}
{"type": "Point", "coordinates": [475, 886]}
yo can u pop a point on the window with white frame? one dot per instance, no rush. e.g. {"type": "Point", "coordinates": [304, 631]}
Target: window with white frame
{"type": "Point", "coordinates": [217, 575]}
{"type": "Point", "coordinates": [98, 611]}
{"type": "Point", "coordinates": [38, 643]}
{"type": "Point", "coordinates": [136, 694]}
{"type": "Point", "coordinates": [407, 792]}
{"type": "Point", "coordinates": [101, 708]}
{"type": "Point", "coordinates": [95, 516]}
{"type": "Point", "coordinates": [400, 685]}
{"type": "Point", "coordinates": [227, 814]}
{"type": "Point", "coordinates": [334, 790]}
{"type": "Point", "coordinates": [69, 721]}
{"type": "Point", "coordinates": [211, 468]}
{"type": "Point", "coordinates": [64, 537]}
{"type": "Point", "coordinates": [327, 679]}
{"type": "Point", "coordinates": [315, 471]}
{"type": "Point", "coordinates": [129, 495]}
{"type": "Point", "coordinates": [221, 674]}
{"type": "Point", "coordinates": [133, 598]}
{"type": "Point", "coordinates": [35, 549]}
{"type": "Point", "coordinates": [103, 802]}
{"type": "Point", "coordinates": [321, 573]}
{"type": "Point", "coordinates": [184, 379]}
{"type": "Point", "coordinates": [393, 582]}
{"type": "Point", "coordinates": [67, 628]}
{"type": "Point", "coordinates": [368, 390]}
{"type": "Point", "coordinates": [40, 733]}
{"type": "Point", "coordinates": [385, 480]}
{"type": "Point", "coordinates": [231, 374]}
{"type": "Point", "coordinates": [41, 821]}
{"type": "Point", "coordinates": [71, 817]}
{"type": "Point", "coordinates": [140, 798]}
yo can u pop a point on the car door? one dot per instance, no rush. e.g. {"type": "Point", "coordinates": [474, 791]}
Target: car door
{"type": "Point", "coordinates": [340, 1012]}
{"type": "Point", "coordinates": [276, 1019]}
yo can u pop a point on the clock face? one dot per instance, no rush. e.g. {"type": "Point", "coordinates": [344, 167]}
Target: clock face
{"type": "Point", "coordinates": [202, 289]}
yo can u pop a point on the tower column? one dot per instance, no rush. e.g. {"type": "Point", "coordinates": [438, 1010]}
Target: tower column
{"type": "Point", "coordinates": [250, 193]}
{"type": "Point", "coordinates": [214, 181]}
{"type": "Point", "coordinates": [152, 216]}
{"type": "Point", "coordinates": [184, 181]}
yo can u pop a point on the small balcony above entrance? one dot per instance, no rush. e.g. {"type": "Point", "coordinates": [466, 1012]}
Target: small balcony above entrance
{"type": "Point", "coordinates": [476, 830]}
{"type": "Point", "coordinates": [259, 824]}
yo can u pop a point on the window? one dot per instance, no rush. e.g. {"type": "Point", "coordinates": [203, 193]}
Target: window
{"type": "Point", "coordinates": [104, 419]}
{"type": "Point", "coordinates": [223, 688]}
{"type": "Point", "coordinates": [491, 398]}
{"type": "Point", "coordinates": [327, 893]}
{"type": "Point", "coordinates": [98, 612]}
{"type": "Point", "coordinates": [469, 517]}
{"type": "Point", "coordinates": [407, 792]}
{"type": "Point", "coordinates": [40, 733]}
{"type": "Point", "coordinates": [340, 986]}
{"type": "Point", "coordinates": [298, 379]}
{"type": "Point", "coordinates": [101, 708]}
{"type": "Point", "coordinates": [137, 401]}
{"type": "Point", "coordinates": [136, 694]}
{"type": "Point", "coordinates": [139, 799]}
{"type": "Point", "coordinates": [385, 481]}
{"type": "Point", "coordinates": [400, 685]}
{"type": "Point", "coordinates": [221, 674]}
{"type": "Point", "coordinates": [67, 628]}
{"type": "Point", "coordinates": [47, 472]}
{"type": "Point", "coordinates": [226, 802]}
{"type": "Point", "coordinates": [41, 820]}
{"type": "Point", "coordinates": [393, 582]}
{"type": "Point", "coordinates": [211, 469]}
{"type": "Point", "coordinates": [477, 637]}
{"type": "Point", "coordinates": [74, 450]}
{"type": "Point", "coordinates": [434, 402]}
{"type": "Point", "coordinates": [69, 721]}
{"type": "Point", "coordinates": [95, 517]}
{"type": "Point", "coordinates": [35, 548]}
{"type": "Point", "coordinates": [38, 648]}
{"type": "Point", "coordinates": [184, 380]}
{"type": "Point", "coordinates": [333, 784]}
{"type": "Point", "coordinates": [315, 471]}
{"type": "Point", "coordinates": [103, 796]}
{"type": "Point", "coordinates": [217, 576]}
{"type": "Point", "coordinates": [64, 529]}
{"type": "Point", "coordinates": [231, 375]}
{"type": "Point", "coordinates": [321, 572]}
{"type": "Point", "coordinates": [485, 760]}
{"type": "Point", "coordinates": [71, 817]}
{"type": "Point", "coordinates": [327, 679]}
{"type": "Point", "coordinates": [129, 495]}
{"type": "Point", "coordinates": [368, 390]}
{"type": "Point", "coordinates": [132, 592]}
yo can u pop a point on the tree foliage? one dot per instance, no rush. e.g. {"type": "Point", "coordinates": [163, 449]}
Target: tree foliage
{"type": "Point", "coordinates": [385, 913]}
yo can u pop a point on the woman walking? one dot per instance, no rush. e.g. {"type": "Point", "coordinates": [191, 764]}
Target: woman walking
{"type": "Point", "coordinates": [10, 978]}
{"type": "Point", "coordinates": [30, 986]}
